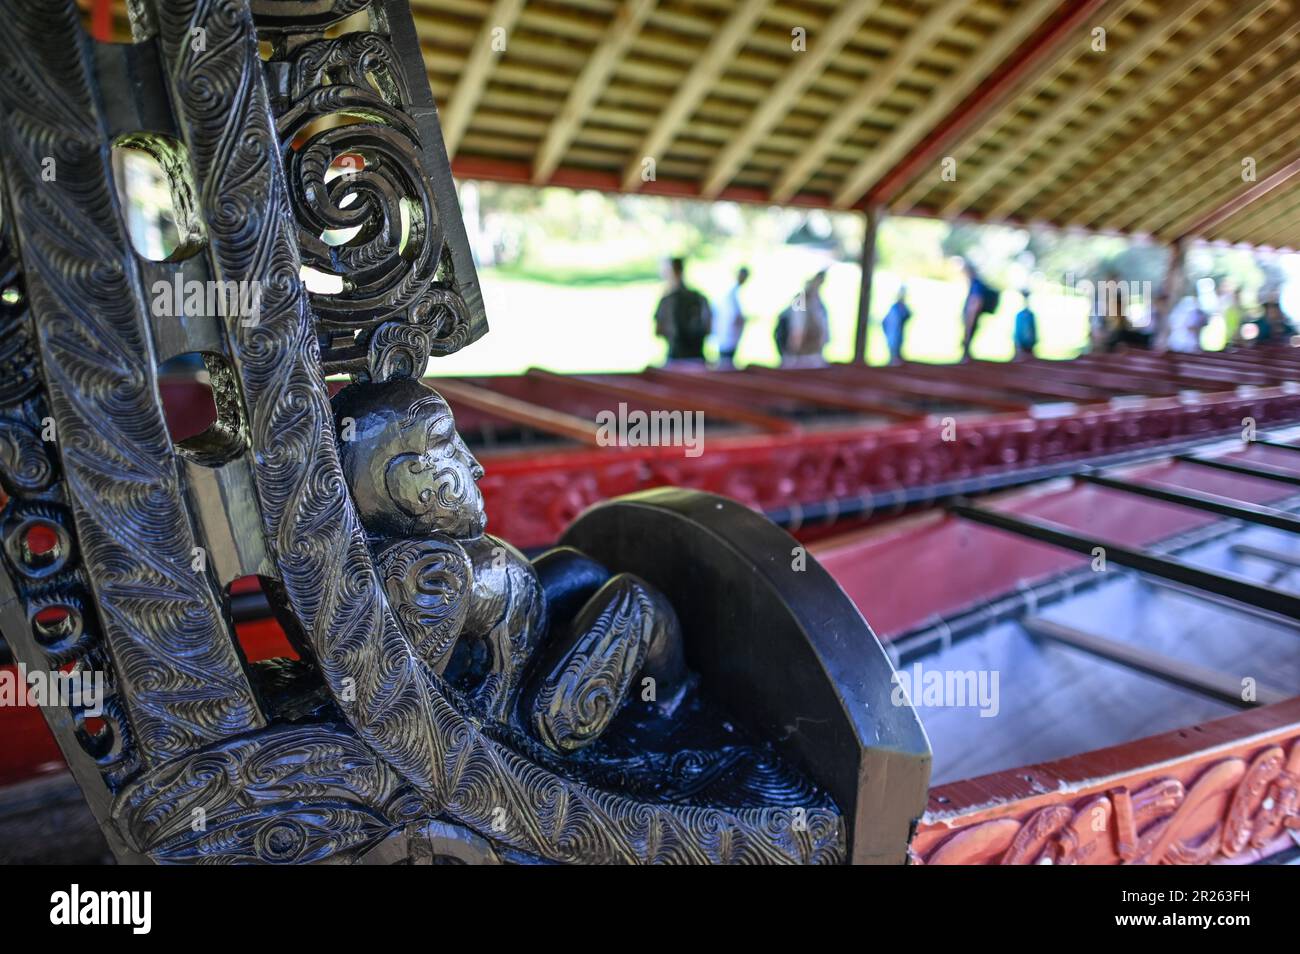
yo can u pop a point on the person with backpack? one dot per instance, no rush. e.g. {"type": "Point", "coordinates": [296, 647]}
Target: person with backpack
{"type": "Point", "coordinates": [982, 299]}
{"type": "Point", "coordinates": [683, 318]}
{"type": "Point", "coordinates": [803, 329]}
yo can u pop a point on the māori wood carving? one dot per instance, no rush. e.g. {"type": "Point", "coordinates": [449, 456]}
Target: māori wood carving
{"type": "Point", "coordinates": [667, 687]}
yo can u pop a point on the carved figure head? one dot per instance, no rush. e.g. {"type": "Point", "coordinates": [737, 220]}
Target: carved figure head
{"type": "Point", "coordinates": [409, 472]}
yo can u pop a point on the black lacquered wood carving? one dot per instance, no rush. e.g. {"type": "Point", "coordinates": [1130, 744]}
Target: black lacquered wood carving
{"type": "Point", "coordinates": [452, 699]}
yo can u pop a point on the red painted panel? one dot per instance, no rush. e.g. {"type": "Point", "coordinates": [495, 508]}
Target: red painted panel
{"type": "Point", "coordinates": [906, 575]}
{"type": "Point", "coordinates": [1182, 476]}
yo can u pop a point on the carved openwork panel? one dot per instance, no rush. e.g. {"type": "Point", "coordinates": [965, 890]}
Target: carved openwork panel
{"type": "Point", "coordinates": [451, 699]}
{"type": "Point", "coordinates": [370, 186]}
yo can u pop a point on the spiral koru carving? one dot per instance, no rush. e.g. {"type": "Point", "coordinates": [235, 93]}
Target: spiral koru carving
{"type": "Point", "coordinates": [25, 465]}
{"type": "Point", "coordinates": [365, 210]}
{"type": "Point", "coordinates": [579, 696]}
{"type": "Point", "coordinates": [426, 582]}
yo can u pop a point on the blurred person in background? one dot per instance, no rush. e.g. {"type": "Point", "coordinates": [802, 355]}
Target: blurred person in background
{"type": "Point", "coordinates": [1112, 322]}
{"type": "Point", "coordinates": [1273, 327]}
{"type": "Point", "coordinates": [729, 322]}
{"type": "Point", "coordinates": [1230, 308]}
{"type": "Point", "coordinates": [1106, 313]}
{"type": "Point", "coordinates": [683, 318]}
{"type": "Point", "coordinates": [803, 329]}
{"type": "Point", "coordinates": [895, 323]}
{"type": "Point", "coordinates": [981, 299]}
{"type": "Point", "coordinates": [1025, 332]}
{"type": "Point", "coordinates": [1185, 323]}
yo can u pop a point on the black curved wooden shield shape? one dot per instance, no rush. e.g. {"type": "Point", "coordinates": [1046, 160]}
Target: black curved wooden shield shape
{"type": "Point", "coordinates": [782, 645]}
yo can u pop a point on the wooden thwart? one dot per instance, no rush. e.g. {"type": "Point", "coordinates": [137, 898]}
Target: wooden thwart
{"type": "Point", "coordinates": [1206, 681]}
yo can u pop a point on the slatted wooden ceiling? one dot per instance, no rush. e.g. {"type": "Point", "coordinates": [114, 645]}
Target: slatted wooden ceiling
{"type": "Point", "coordinates": [712, 90]}
{"type": "Point", "coordinates": [1146, 136]}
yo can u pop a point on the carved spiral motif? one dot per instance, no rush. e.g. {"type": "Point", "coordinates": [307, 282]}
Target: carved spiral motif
{"type": "Point", "coordinates": [25, 466]}
{"type": "Point", "coordinates": [577, 700]}
{"type": "Point", "coordinates": [427, 582]}
{"type": "Point", "coordinates": [362, 200]}
{"type": "Point", "coordinates": [363, 60]}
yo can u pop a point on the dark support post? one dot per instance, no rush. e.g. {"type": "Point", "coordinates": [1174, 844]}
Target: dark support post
{"type": "Point", "coordinates": [1172, 290]}
{"type": "Point", "coordinates": [874, 215]}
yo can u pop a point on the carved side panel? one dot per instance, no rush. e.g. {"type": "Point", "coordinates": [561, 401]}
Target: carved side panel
{"type": "Point", "coordinates": [531, 502]}
{"type": "Point", "coordinates": [46, 610]}
{"type": "Point", "coordinates": [172, 652]}
{"type": "Point", "coordinates": [371, 189]}
{"type": "Point", "coordinates": [289, 795]}
{"type": "Point", "coordinates": [1229, 807]}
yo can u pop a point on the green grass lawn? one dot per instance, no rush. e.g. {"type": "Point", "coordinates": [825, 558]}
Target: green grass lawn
{"type": "Point", "coordinates": [592, 323]}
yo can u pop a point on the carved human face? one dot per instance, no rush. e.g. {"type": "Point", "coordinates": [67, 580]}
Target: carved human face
{"type": "Point", "coordinates": [435, 482]}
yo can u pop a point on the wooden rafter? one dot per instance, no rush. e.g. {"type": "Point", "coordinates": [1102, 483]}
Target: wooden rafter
{"type": "Point", "coordinates": [1247, 198]}
{"type": "Point", "coordinates": [878, 85]}
{"type": "Point", "coordinates": [1182, 188]}
{"type": "Point", "coordinates": [613, 44]}
{"type": "Point", "coordinates": [584, 92]}
{"type": "Point", "coordinates": [868, 171]}
{"type": "Point", "coordinates": [804, 68]}
{"type": "Point", "coordinates": [1278, 212]}
{"type": "Point", "coordinates": [478, 66]}
{"type": "Point", "coordinates": [1223, 183]}
{"type": "Point", "coordinates": [1161, 147]}
{"type": "Point", "coordinates": [1218, 183]}
{"type": "Point", "coordinates": [1044, 73]}
{"type": "Point", "coordinates": [1279, 229]}
{"type": "Point", "coordinates": [1215, 34]}
{"type": "Point", "coordinates": [1105, 69]}
{"type": "Point", "coordinates": [702, 77]}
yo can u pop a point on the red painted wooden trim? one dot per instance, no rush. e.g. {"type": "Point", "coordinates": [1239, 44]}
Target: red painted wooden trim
{"type": "Point", "coordinates": [608, 180]}
{"type": "Point", "coordinates": [1242, 199]}
{"type": "Point", "coordinates": [1042, 44]}
{"type": "Point", "coordinates": [101, 21]}
{"type": "Point", "coordinates": [1220, 792]}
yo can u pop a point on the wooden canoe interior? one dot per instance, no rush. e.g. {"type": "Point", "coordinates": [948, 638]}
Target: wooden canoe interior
{"type": "Point", "coordinates": [946, 593]}
{"type": "Point", "coordinates": [1055, 700]}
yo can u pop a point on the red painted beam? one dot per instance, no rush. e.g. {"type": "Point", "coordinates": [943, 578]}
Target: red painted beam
{"type": "Point", "coordinates": [1242, 199]}
{"type": "Point", "coordinates": [1043, 43]}
{"type": "Point", "coordinates": [610, 180]}
{"type": "Point", "coordinates": [101, 21]}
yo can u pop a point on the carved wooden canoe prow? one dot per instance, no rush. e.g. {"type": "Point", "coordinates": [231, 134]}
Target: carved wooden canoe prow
{"type": "Point", "coordinates": [679, 680]}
